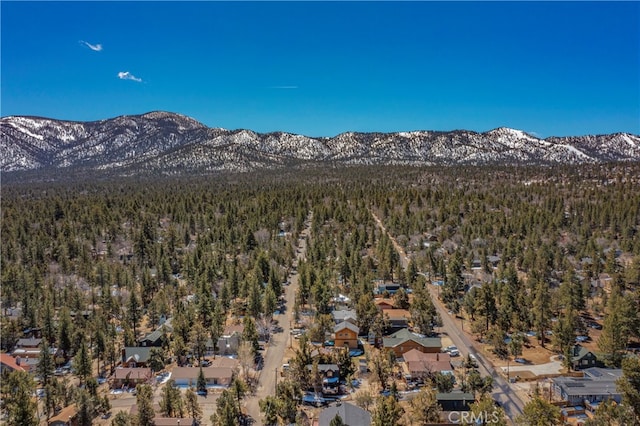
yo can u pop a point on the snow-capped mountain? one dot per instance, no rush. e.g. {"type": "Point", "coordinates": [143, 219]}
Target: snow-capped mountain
{"type": "Point", "coordinates": [172, 143]}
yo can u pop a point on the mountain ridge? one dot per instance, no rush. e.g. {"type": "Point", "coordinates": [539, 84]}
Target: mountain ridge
{"type": "Point", "coordinates": [170, 143]}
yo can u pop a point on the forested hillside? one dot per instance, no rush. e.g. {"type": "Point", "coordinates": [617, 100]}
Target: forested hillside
{"type": "Point", "coordinates": [95, 265]}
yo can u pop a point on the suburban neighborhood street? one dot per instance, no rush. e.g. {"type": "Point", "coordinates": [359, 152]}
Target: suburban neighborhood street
{"type": "Point", "coordinates": [502, 391]}
{"type": "Point", "coordinates": [275, 351]}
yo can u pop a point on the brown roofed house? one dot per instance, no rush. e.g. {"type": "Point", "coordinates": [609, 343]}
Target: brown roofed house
{"type": "Point", "coordinates": [9, 364]}
{"type": "Point", "coordinates": [66, 417]}
{"type": "Point", "coordinates": [346, 335]}
{"type": "Point", "coordinates": [398, 318]}
{"type": "Point", "coordinates": [420, 365]}
{"type": "Point", "coordinates": [214, 376]}
{"type": "Point", "coordinates": [383, 303]}
{"type": "Point", "coordinates": [131, 377]}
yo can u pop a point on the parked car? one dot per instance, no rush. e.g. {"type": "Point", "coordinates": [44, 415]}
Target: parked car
{"type": "Point", "coordinates": [473, 359]}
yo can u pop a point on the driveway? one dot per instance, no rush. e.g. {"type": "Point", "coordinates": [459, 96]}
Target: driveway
{"type": "Point", "coordinates": [553, 367]}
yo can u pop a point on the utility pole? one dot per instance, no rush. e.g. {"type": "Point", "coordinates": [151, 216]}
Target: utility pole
{"type": "Point", "coordinates": [276, 385]}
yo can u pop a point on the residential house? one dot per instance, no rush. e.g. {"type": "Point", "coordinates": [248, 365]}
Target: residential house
{"type": "Point", "coordinates": [68, 416]}
{"type": "Point", "coordinates": [403, 341]}
{"type": "Point", "coordinates": [28, 363]}
{"type": "Point", "coordinates": [326, 370]}
{"type": "Point", "coordinates": [346, 335]}
{"type": "Point", "coordinates": [29, 343]}
{"type": "Point", "coordinates": [344, 315]}
{"type": "Point", "coordinates": [229, 341]}
{"type": "Point", "coordinates": [598, 384]}
{"type": "Point", "coordinates": [494, 261]}
{"type": "Point", "coordinates": [330, 378]}
{"type": "Point", "coordinates": [582, 358]}
{"type": "Point", "coordinates": [604, 281]}
{"type": "Point", "coordinates": [26, 349]}
{"type": "Point", "coordinates": [388, 288]}
{"type": "Point", "coordinates": [419, 365]}
{"type": "Point", "coordinates": [213, 376]}
{"type": "Point", "coordinates": [130, 377]}
{"type": "Point", "coordinates": [455, 401]}
{"type": "Point", "coordinates": [224, 362]}
{"type": "Point", "coordinates": [383, 303]}
{"type": "Point", "coordinates": [135, 356]}
{"type": "Point", "coordinates": [9, 364]}
{"type": "Point", "coordinates": [398, 318]}
{"type": "Point", "coordinates": [350, 414]}
{"type": "Point", "coordinates": [153, 339]}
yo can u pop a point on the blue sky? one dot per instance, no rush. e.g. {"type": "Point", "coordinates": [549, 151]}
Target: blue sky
{"type": "Point", "coordinates": [323, 68]}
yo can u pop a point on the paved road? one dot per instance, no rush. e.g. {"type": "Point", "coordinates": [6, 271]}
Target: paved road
{"type": "Point", "coordinates": [502, 391]}
{"type": "Point", "coordinates": [278, 343]}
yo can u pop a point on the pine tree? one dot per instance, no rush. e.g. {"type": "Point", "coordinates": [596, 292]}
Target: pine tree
{"type": "Point", "coordinates": [65, 333]}
{"type": "Point", "coordinates": [192, 406]}
{"type": "Point", "coordinates": [46, 363]}
{"type": "Point", "coordinates": [201, 383]}
{"type": "Point", "coordinates": [20, 407]}
{"type": "Point", "coordinates": [198, 340]}
{"type": "Point", "coordinates": [615, 333]}
{"type": "Point", "coordinates": [337, 421]}
{"type": "Point", "coordinates": [227, 411]}
{"type": "Point", "coordinates": [85, 408]}
{"type": "Point", "coordinates": [539, 412]}
{"type": "Point", "coordinates": [387, 412]}
{"type": "Point", "coordinates": [156, 359]}
{"type": "Point", "coordinates": [122, 419]}
{"type": "Point", "coordinates": [82, 363]}
{"type": "Point", "coordinates": [171, 402]}
{"type": "Point", "coordinates": [424, 408]}
{"type": "Point", "coordinates": [269, 302]}
{"type": "Point", "coordinates": [250, 333]}
{"type": "Point", "coordinates": [541, 309]}
{"type": "Point", "coordinates": [144, 401]}
{"type": "Point", "coordinates": [629, 384]}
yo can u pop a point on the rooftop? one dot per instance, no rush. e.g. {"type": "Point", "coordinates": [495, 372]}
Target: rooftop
{"type": "Point", "coordinates": [350, 414]}
{"type": "Point", "coordinates": [405, 335]}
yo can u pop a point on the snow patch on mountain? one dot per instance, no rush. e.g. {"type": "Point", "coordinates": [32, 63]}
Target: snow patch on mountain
{"type": "Point", "coordinates": [172, 143]}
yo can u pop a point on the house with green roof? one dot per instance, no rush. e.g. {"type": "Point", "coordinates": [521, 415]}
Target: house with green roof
{"type": "Point", "coordinates": [582, 358]}
{"type": "Point", "coordinates": [402, 341]}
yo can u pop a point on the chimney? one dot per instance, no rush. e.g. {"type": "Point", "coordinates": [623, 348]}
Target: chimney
{"type": "Point", "coordinates": [18, 360]}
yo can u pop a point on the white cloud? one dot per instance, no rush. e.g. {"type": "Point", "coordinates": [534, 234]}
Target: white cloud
{"type": "Point", "coordinates": [283, 87]}
{"type": "Point", "coordinates": [126, 75]}
{"type": "Point", "coordinates": [94, 47]}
